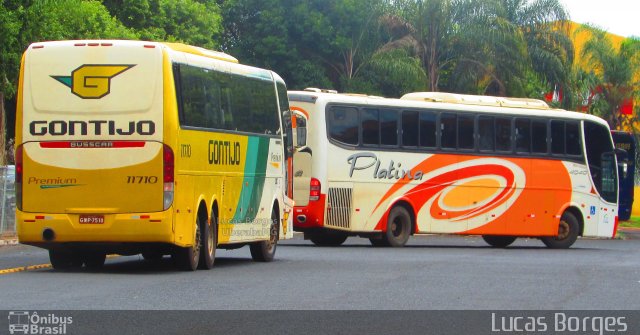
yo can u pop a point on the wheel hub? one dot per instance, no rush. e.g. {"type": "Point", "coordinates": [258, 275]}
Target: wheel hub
{"type": "Point", "coordinates": [563, 230]}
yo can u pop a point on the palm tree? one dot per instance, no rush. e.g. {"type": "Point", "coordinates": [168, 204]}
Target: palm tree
{"type": "Point", "coordinates": [483, 46]}
{"type": "Point", "coordinates": [544, 25]}
{"type": "Point", "coordinates": [425, 28]}
{"type": "Point", "coordinates": [615, 70]}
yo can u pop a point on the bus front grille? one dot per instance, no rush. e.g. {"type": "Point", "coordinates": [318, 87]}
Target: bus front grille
{"type": "Point", "coordinates": [339, 208]}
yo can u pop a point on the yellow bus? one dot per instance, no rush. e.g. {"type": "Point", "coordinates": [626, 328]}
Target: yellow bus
{"type": "Point", "coordinates": [131, 147]}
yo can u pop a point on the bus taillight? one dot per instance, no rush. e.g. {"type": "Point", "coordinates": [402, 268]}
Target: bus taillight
{"type": "Point", "coordinates": [168, 175]}
{"type": "Point", "coordinates": [18, 176]}
{"type": "Point", "coordinates": [314, 190]}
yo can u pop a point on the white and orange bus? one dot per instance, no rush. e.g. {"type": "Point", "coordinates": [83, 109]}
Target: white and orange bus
{"type": "Point", "coordinates": [454, 164]}
{"type": "Point", "coordinates": [133, 147]}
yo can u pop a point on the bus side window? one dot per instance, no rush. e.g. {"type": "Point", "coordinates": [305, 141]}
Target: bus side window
{"type": "Point", "coordinates": [486, 133]}
{"type": "Point", "coordinates": [428, 130]}
{"type": "Point", "coordinates": [389, 127]}
{"type": "Point", "coordinates": [448, 126]}
{"type": "Point", "coordinates": [465, 132]}
{"type": "Point", "coordinates": [370, 127]}
{"type": "Point", "coordinates": [343, 125]}
{"type": "Point", "coordinates": [557, 137]}
{"type": "Point", "coordinates": [225, 108]}
{"type": "Point", "coordinates": [410, 128]}
{"type": "Point", "coordinates": [573, 139]}
{"type": "Point", "coordinates": [539, 136]}
{"type": "Point", "coordinates": [503, 134]}
{"type": "Point", "coordinates": [523, 135]}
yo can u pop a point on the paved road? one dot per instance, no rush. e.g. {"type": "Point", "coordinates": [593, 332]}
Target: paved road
{"type": "Point", "coordinates": [432, 272]}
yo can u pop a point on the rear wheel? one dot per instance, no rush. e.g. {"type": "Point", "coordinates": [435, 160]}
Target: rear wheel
{"type": "Point", "coordinates": [398, 227]}
{"type": "Point", "coordinates": [64, 259]}
{"type": "Point", "coordinates": [187, 258]}
{"type": "Point", "coordinates": [328, 238]}
{"type": "Point", "coordinates": [265, 251]}
{"type": "Point", "coordinates": [497, 241]}
{"type": "Point", "coordinates": [568, 231]}
{"type": "Point", "coordinates": [209, 241]}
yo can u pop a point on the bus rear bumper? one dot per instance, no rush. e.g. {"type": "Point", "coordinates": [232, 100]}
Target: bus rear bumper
{"type": "Point", "coordinates": [308, 217]}
{"type": "Point", "coordinates": [50, 229]}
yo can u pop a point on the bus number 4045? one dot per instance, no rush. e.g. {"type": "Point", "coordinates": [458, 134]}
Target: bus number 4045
{"type": "Point", "coordinates": [142, 179]}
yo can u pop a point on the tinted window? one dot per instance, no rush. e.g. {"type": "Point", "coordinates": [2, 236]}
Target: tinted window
{"type": "Point", "coordinates": [388, 127]}
{"type": "Point", "coordinates": [215, 100]}
{"type": "Point", "coordinates": [428, 130]}
{"type": "Point", "coordinates": [370, 127]}
{"type": "Point", "coordinates": [523, 135]}
{"type": "Point", "coordinates": [465, 132]}
{"type": "Point", "coordinates": [557, 137]}
{"type": "Point", "coordinates": [486, 133]}
{"type": "Point", "coordinates": [200, 97]}
{"type": "Point", "coordinates": [343, 124]}
{"type": "Point", "coordinates": [539, 136]}
{"type": "Point", "coordinates": [574, 142]}
{"type": "Point", "coordinates": [410, 127]}
{"type": "Point", "coordinates": [503, 134]}
{"type": "Point", "coordinates": [448, 127]}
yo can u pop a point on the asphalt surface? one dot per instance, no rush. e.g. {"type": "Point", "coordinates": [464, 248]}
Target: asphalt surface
{"type": "Point", "coordinates": [431, 272]}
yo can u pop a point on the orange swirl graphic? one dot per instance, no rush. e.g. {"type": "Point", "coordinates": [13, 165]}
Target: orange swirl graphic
{"type": "Point", "coordinates": [432, 191]}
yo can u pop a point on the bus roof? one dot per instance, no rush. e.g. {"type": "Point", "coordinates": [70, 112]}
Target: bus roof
{"type": "Point", "coordinates": [109, 43]}
{"type": "Point", "coordinates": [447, 101]}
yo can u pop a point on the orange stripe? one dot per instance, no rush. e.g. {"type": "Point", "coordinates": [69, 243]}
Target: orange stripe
{"type": "Point", "coordinates": [304, 112]}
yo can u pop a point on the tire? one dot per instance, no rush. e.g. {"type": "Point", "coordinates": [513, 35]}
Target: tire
{"type": "Point", "coordinates": [64, 260]}
{"type": "Point", "coordinates": [498, 241]}
{"type": "Point", "coordinates": [328, 238]}
{"type": "Point", "coordinates": [398, 227]}
{"type": "Point", "coordinates": [265, 251]}
{"type": "Point", "coordinates": [209, 244]}
{"type": "Point", "coordinates": [187, 258]}
{"type": "Point", "coordinates": [94, 260]}
{"type": "Point", "coordinates": [568, 231]}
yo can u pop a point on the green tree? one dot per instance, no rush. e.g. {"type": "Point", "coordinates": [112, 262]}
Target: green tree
{"type": "Point", "coordinates": [50, 20]}
{"type": "Point", "coordinates": [25, 22]}
{"type": "Point", "coordinates": [544, 26]}
{"type": "Point", "coordinates": [190, 21]}
{"type": "Point", "coordinates": [483, 47]}
{"type": "Point", "coordinates": [10, 51]}
{"type": "Point", "coordinates": [615, 70]}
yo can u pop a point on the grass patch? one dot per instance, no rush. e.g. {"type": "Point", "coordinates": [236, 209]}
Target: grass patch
{"type": "Point", "coordinates": [633, 222]}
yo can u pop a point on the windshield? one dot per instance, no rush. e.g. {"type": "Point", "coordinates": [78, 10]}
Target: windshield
{"type": "Point", "coordinates": [601, 160]}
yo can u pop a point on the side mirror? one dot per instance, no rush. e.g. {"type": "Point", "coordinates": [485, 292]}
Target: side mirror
{"type": "Point", "coordinates": [300, 129]}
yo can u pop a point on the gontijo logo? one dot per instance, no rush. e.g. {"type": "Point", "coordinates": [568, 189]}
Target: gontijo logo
{"type": "Point", "coordinates": [92, 81]}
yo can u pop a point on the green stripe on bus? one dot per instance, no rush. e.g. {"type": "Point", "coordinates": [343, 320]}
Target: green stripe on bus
{"type": "Point", "coordinates": [254, 178]}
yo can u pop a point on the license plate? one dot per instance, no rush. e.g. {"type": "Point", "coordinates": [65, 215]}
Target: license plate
{"type": "Point", "coordinates": [91, 219]}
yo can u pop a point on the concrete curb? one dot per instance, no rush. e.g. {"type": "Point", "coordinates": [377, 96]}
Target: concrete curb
{"type": "Point", "coordinates": [630, 233]}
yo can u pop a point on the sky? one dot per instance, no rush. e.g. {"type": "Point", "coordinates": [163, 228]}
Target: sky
{"type": "Point", "coordinates": [620, 17]}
